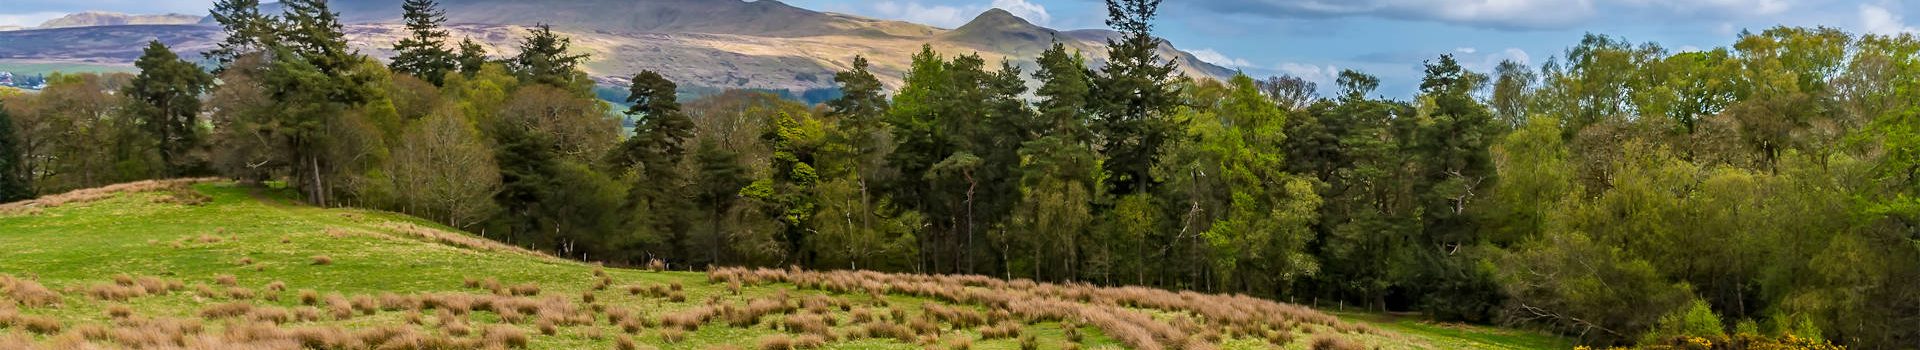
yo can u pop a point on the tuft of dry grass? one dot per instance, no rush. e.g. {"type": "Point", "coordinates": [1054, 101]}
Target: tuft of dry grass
{"type": "Point", "coordinates": [226, 310]}
{"type": "Point", "coordinates": [1328, 342]}
{"type": "Point", "coordinates": [27, 292]}
{"type": "Point", "coordinates": [322, 260]}
{"type": "Point", "coordinates": [504, 336]}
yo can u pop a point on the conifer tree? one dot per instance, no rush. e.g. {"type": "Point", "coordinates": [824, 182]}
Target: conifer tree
{"type": "Point", "coordinates": [1135, 96]}
{"type": "Point", "coordinates": [165, 99]}
{"type": "Point", "coordinates": [248, 31]}
{"type": "Point", "coordinates": [424, 54]}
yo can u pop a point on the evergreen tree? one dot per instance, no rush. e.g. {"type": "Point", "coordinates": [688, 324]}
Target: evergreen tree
{"type": "Point", "coordinates": [165, 98]}
{"type": "Point", "coordinates": [248, 31]}
{"type": "Point", "coordinates": [424, 54]}
{"type": "Point", "coordinates": [1064, 92]}
{"type": "Point", "coordinates": [1134, 96]}
{"type": "Point", "coordinates": [15, 184]}
{"type": "Point", "coordinates": [471, 58]}
{"type": "Point", "coordinates": [658, 146]}
{"type": "Point", "coordinates": [544, 59]}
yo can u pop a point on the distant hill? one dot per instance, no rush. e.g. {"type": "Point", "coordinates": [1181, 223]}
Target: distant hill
{"type": "Point", "coordinates": [93, 19]}
{"type": "Point", "coordinates": [702, 44]}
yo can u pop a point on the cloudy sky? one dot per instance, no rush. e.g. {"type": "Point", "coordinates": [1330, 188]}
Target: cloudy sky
{"type": "Point", "coordinates": [1316, 38]}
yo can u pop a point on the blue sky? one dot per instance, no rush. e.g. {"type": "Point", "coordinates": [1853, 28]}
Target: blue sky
{"type": "Point", "coordinates": [1316, 38]}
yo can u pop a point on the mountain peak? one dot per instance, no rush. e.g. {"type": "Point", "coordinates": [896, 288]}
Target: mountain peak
{"type": "Point", "coordinates": [997, 18]}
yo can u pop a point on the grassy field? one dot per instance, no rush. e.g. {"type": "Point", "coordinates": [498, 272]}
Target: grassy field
{"type": "Point", "coordinates": [214, 263]}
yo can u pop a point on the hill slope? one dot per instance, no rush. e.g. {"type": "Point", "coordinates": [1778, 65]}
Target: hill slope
{"type": "Point", "coordinates": [95, 18]}
{"type": "Point", "coordinates": [711, 44]}
{"type": "Point", "coordinates": [172, 264]}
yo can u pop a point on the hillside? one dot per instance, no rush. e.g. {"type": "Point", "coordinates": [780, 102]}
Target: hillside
{"type": "Point", "coordinates": [181, 263]}
{"type": "Point", "coordinates": [94, 19]}
{"type": "Point", "coordinates": [708, 44]}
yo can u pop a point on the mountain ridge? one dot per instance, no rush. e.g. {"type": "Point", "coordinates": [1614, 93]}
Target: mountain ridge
{"type": "Point", "coordinates": [704, 44]}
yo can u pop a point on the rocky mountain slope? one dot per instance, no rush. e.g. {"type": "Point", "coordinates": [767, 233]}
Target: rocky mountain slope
{"type": "Point", "coordinates": [712, 44]}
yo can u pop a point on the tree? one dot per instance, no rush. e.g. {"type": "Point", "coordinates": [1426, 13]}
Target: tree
{"type": "Point", "coordinates": [1512, 86]}
{"type": "Point", "coordinates": [1292, 93]}
{"type": "Point", "coordinates": [545, 58]}
{"type": "Point", "coordinates": [165, 98]}
{"type": "Point", "coordinates": [15, 184]}
{"type": "Point", "coordinates": [1135, 95]}
{"type": "Point", "coordinates": [424, 54]}
{"type": "Point", "coordinates": [445, 170]}
{"type": "Point", "coordinates": [472, 57]}
{"type": "Point", "coordinates": [1065, 93]}
{"type": "Point", "coordinates": [657, 147]}
{"type": "Point", "coordinates": [247, 31]}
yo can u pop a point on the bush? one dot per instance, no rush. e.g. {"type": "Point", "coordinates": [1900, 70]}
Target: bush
{"type": "Point", "coordinates": [1696, 320]}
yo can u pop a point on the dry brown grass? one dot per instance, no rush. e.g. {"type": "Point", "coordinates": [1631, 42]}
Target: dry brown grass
{"type": "Point", "coordinates": [1328, 342]}
{"type": "Point", "coordinates": [322, 260]}
{"type": "Point", "coordinates": [174, 188]}
{"type": "Point", "coordinates": [27, 292]}
{"type": "Point", "coordinates": [226, 310]}
{"type": "Point", "coordinates": [504, 336]}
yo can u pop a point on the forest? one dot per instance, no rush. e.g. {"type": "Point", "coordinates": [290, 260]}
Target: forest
{"type": "Point", "coordinates": [1623, 193]}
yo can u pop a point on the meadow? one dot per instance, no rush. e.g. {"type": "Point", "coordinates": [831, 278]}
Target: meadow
{"type": "Point", "coordinates": [207, 264]}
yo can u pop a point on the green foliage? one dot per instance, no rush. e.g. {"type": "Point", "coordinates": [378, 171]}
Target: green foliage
{"type": "Point", "coordinates": [15, 183]}
{"type": "Point", "coordinates": [1695, 320]}
{"type": "Point", "coordinates": [247, 31]}
{"type": "Point", "coordinates": [165, 98]}
{"type": "Point", "coordinates": [424, 53]}
{"type": "Point", "coordinates": [545, 58]}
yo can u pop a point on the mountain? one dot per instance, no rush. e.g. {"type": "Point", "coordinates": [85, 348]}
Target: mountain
{"type": "Point", "coordinates": [702, 44]}
{"type": "Point", "coordinates": [94, 19]}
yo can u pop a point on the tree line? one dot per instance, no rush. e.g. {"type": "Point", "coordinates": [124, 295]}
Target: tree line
{"type": "Point", "coordinates": [1623, 193]}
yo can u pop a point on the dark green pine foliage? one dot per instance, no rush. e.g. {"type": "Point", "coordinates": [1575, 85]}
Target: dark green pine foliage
{"type": "Point", "coordinates": [247, 30]}
{"type": "Point", "coordinates": [424, 54]}
{"type": "Point", "coordinates": [472, 56]}
{"type": "Point", "coordinates": [657, 147]}
{"type": "Point", "coordinates": [860, 111]}
{"type": "Point", "coordinates": [544, 59]}
{"type": "Point", "coordinates": [1451, 145]}
{"type": "Point", "coordinates": [15, 184]}
{"type": "Point", "coordinates": [1135, 95]}
{"type": "Point", "coordinates": [1064, 92]}
{"type": "Point", "coordinates": [314, 35]}
{"type": "Point", "coordinates": [165, 99]}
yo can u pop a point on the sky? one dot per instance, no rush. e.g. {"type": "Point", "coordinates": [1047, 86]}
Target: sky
{"type": "Point", "coordinates": [1315, 39]}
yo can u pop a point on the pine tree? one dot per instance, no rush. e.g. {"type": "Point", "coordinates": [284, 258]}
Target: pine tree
{"type": "Point", "coordinates": [860, 109]}
{"type": "Point", "coordinates": [15, 185]}
{"type": "Point", "coordinates": [1064, 92]}
{"type": "Point", "coordinates": [424, 54]}
{"type": "Point", "coordinates": [248, 31]}
{"type": "Point", "coordinates": [472, 56]}
{"type": "Point", "coordinates": [658, 145]}
{"type": "Point", "coordinates": [314, 35]}
{"type": "Point", "coordinates": [1135, 95]}
{"type": "Point", "coordinates": [544, 58]}
{"type": "Point", "coordinates": [165, 99]}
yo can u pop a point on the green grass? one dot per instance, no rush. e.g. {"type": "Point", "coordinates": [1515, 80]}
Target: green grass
{"type": "Point", "coordinates": [32, 68]}
{"type": "Point", "coordinates": [70, 247]}
{"type": "Point", "coordinates": [1461, 336]}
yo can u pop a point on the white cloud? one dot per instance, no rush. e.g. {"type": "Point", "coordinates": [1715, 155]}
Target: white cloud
{"type": "Point", "coordinates": [1466, 50]}
{"type": "Point", "coordinates": [1215, 57]}
{"type": "Point", "coordinates": [949, 16]}
{"type": "Point", "coordinates": [1324, 76]}
{"type": "Point", "coordinates": [28, 19]}
{"type": "Point", "coordinates": [913, 11]}
{"type": "Point", "coordinates": [1030, 11]}
{"type": "Point", "coordinates": [1880, 20]}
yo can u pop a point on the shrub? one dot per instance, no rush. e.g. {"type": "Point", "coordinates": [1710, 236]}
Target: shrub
{"type": "Point", "coordinates": [1696, 320]}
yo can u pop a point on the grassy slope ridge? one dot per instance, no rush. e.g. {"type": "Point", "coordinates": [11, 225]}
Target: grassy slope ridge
{"type": "Point", "coordinates": [263, 239]}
